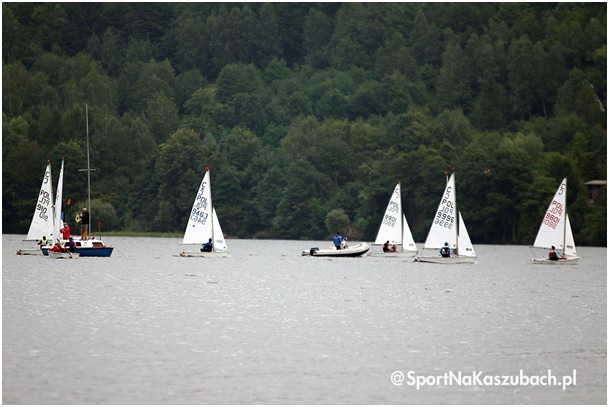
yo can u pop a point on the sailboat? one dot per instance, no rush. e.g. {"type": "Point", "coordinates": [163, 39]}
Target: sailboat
{"type": "Point", "coordinates": [395, 230]}
{"type": "Point", "coordinates": [555, 231]}
{"type": "Point", "coordinates": [91, 246]}
{"type": "Point", "coordinates": [42, 221]}
{"type": "Point", "coordinates": [449, 228]}
{"type": "Point", "coordinates": [58, 222]}
{"type": "Point", "coordinates": [203, 224]}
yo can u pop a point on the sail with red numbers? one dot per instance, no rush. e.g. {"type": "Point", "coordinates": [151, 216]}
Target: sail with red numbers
{"type": "Point", "coordinates": [555, 233]}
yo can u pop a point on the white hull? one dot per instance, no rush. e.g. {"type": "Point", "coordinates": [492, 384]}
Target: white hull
{"type": "Point", "coordinates": [404, 254]}
{"type": "Point", "coordinates": [63, 255]}
{"type": "Point", "coordinates": [559, 262]}
{"type": "Point", "coordinates": [212, 254]}
{"type": "Point", "coordinates": [354, 251]}
{"type": "Point", "coordinates": [446, 260]}
{"type": "Point", "coordinates": [30, 252]}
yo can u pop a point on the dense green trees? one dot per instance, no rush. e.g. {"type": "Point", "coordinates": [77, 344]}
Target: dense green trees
{"type": "Point", "coordinates": [308, 113]}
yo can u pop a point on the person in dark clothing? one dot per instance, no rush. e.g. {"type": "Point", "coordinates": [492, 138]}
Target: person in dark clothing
{"type": "Point", "coordinates": [84, 224]}
{"type": "Point", "coordinates": [445, 250]}
{"type": "Point", "coordinates": [207, 247]}
{"type": "Point", "coordinates": [338, 239]}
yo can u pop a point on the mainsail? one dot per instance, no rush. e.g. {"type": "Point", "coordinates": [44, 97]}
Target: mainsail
{"type": "Point", "coordinates": [392, 227]}
{"type": "Point", "coordinates": [42, 221]}
{"type": "Point", "coordinates": [199, 228]}
{"type": "Point", "coordinates": [555, 229]}
{"type": "Point", "coordinates": [444, 226]}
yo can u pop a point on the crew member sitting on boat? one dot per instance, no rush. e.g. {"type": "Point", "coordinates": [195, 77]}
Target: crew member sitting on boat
{"type": "Point", "coordinates": [445, 250]}
{"type": "Point", "coordinates": [554, 254]}
{"type": "Point", "coordinates": [57, 248]}
{"type": "Point", "coordinates": [71, 245]}
{"type": "Point", "coordinates": [42, 242]}
{"type": "Point", "coordinates": [386, 247]}
{"type": "Point", "coordinates": [394, 248]}
{"type": "Point", "coordinates": [344, 244]}
{"type": "Point", "coordinates": [207, 246]}
{"type": "Point", "coordinates": [338, 240]}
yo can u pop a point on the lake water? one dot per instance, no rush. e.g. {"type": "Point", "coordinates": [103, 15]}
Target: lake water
{"type": "Point", "coordinates": [268, 326]}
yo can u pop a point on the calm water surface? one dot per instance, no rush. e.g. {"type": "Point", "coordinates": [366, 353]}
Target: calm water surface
{"type": "Point", "coordinates": [268, 326]}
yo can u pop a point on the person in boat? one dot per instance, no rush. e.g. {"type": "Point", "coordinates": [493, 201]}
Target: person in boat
{"type": "Point", "coordinates": [71, 245]}
{"type": "Point", "coordinates": [445, 250]}
{"type": "Point", "coordinates": [344, 244]}
{"type": "Point", "coordinates": [42, 242]}
{"type": "Point", "coordinates": [394, 248]}
{"type": "Point", "coordinates": [338, 240]}
{"type": "Point", "coordinates": [65, 231]}
{"type": "Point", "coordinates": [84, 224]}
{"type": "Point", "coordinates": [386, 247]}
{"type": "Point", "coordinates": [554, 254]}
{"type": "Point", "coordinates": [207, 246]}
{"type": "Point", "coordinates": [57, 248]}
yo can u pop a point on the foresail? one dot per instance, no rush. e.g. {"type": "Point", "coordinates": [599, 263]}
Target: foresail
{"type": "Point", "coordinates": [219, 242]}
{"type": "Point", "coordinates": [408, 243]}
{"type": "Point", "coordinates": [444, 225]}
{"type": "Point", "coordinates": [42, 221]}
{"type": "Point", "coordinates": [569, 250]}
{"type": "Point", "coordinates": [391, 226]}
{"type": "Point", "coordinates": [199, 228]}
{"type": "Point", "coordinates": [465, 244]}
{"type": "Point", "coordinates": [552, 229]}
{"type": "Point", "coordinates": [58, 223]}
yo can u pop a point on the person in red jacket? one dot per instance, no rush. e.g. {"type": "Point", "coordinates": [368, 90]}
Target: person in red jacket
{"type": "Point", "coordinates": [65, 231]}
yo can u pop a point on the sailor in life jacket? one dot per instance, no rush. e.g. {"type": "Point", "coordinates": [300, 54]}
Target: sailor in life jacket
{"type": "Point", "coordinates": [553, 254]}
{"type": "Point", "coordinates": [445, 250]}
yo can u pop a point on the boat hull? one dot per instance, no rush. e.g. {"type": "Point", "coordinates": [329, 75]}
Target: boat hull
{"type": "Point", "coordinates": [559, 262]}
{"type": "Point", "coordinates": [446, 260]}
{"type": "Point", "coordinates": [213, 254]}
{"type": "Point", "coordinates": [30, 252]}
{"type": "Point", "coordinates": [95, 251]}
{"type": "Point", "coordinates": [62, 255]}
{"type": "Point", "coordinates": [88, 248]}
{"type": "Point", "coordinates": [404, 254]}
{"type": "Point", "coordinates": [355, 251]}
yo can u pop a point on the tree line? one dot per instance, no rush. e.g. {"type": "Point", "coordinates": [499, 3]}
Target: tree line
{"type": "Point", "coordinates": [307, 113]}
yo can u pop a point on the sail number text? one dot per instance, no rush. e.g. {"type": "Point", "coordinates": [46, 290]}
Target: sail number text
{"type": "Point", "coordinates": [44, 199]}
{"type": "Point", "coordinates": [199, 212]}
{"type": "Point", "coordinates": [445, 216]}
{"type": "Point", "coordinates": [553, 216]}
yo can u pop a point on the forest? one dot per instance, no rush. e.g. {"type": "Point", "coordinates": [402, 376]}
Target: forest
{"type": "Point", "coordinates": [307, 114]}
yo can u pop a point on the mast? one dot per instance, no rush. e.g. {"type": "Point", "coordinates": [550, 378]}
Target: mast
{"type": "Point", "coordinates": [456, 213]}
{"type": "Point", "coordinates": [88, 167]}
{"type": "Point", "coordinates": [213, 238]}
{"type": "Point", "coordinates": [564, 225]}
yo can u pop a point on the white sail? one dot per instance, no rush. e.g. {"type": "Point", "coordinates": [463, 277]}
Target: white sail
{"type": "Point", "coordinates": [58, 223]}
{"type": "Point", "coordinates": [465, 244]}
{"type": "Point", "coordinates": [219, 242]}
{"type": "Point", "coordinates": [391, 227]}
{"type": "Point", "coordinates": [199, 229]}
{"type": "Point", "coordinates": [553, 227]}
{"type": "Point", "coordinates": [407, 239]}
{"type": "Point", "coordinates": [570, 250]}
{"type": "Point", "coordinates": [42, 221]}
{"type": "Point", "coordinates": [444, 225]}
